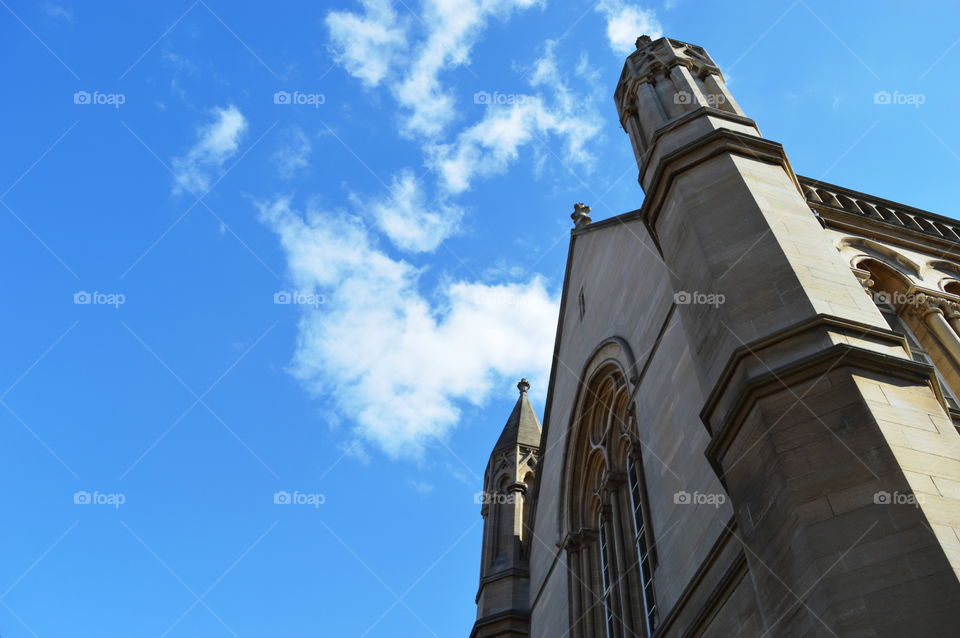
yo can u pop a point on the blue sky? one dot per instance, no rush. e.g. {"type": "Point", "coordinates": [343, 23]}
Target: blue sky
{"type": "Point", "coordinates": [178, 165]}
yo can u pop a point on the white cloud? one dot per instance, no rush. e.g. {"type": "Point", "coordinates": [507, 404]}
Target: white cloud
{"type": "Point", "coordinates": [626, 22]}
{"type": "Point", "coordinates": [57, 11]}
{"type": "Point", "coordinates": [422, 487]}
{"type": "Point", "coordinates": [368, 45]}
{"type": "Point", "coordinates": [408, 219]}
{"type": "Point", "coordinates": [217, 142]}
{"type": "Point", "coordinates": [492, 144]}
{"type": "Point", "coordinates": [293, 153]}
{"type": "Point", "coordinates": [399, 363]}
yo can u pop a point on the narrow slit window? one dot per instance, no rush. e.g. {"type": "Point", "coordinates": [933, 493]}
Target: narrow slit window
{"type": "Point", "coordinates": [607, 595]}
{"type": "Point", "coordinates": [641, 538]}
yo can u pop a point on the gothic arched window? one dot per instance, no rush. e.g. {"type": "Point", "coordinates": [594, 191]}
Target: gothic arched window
{"type": "Point", "coordinates": [611, 568]}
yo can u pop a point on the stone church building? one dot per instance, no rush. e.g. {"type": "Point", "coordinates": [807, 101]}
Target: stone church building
{"type": "Point", "coordinates": [751, 421]}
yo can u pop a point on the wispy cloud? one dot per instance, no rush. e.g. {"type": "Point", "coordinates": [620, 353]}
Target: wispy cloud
{"type": "Point", "coordinates": [401, 363]}
{"type": "Point", "coordinates": [293, 153]}
{"type": "Point", "coordinates": [371, 44]}
{"type": "Point", "coordinates": [407, 217]}
{"type": "Point", "coordinates": [626, 22]}
{"type": "Point", "coordinates": [368, 45]}
{"type": "Point", "coordinates": [492, 144]}
{"type": "Point", "coordinates": [217, 141]}
{"type": "Point", "coordinates": [415, 216]}
{"type": "Point", "coordinates": [58, 12]}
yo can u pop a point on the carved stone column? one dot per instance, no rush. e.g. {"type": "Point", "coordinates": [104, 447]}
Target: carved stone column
{"type": "Point", "coordinates": [930, 310]}
{"type": "Point", "coordinates": [574, 547]}
{"type": "Point", "coordinates": [953, 316]}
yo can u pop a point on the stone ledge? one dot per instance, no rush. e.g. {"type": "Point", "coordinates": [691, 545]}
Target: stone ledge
{"type": "Point", "coordinates": [714, 144]}
{"type": "Point", "coordinates": [851, 356]}
{"type": "Point", "coordinates": [513, 623]}
{"type": "Point", "coordinates": [787, 340]}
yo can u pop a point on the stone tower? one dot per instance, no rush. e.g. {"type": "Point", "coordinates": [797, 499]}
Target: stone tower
{"type": "Point", "coordinates": [503, 605]}
{"type": "Point", "coordinates": [730, 218]}
{"type": "Point", "coordinates": [752, 424]}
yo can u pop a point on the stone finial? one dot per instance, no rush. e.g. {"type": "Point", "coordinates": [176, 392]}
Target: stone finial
{"type": "Point", "coordinates": [523, 386]}
{"type": "Point", "coordinates": [643, 41]}
{"type": "Point", "coordinates": [580, 215]}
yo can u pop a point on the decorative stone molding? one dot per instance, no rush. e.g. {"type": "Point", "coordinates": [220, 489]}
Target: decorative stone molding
{"type": "Point", "coordinates": [922, 305]}
{"type": "Point", "coordinates": [863, 276]}
{"type": "Point", "coordinates": [829, 199]}
{"type": "Point", "coordinates": [612, 482]}
{"type": "Point", "coordinates": [580, 215]}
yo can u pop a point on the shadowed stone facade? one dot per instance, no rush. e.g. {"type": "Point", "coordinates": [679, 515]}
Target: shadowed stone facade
{"type": "Point", "coordinates": [751, 421]}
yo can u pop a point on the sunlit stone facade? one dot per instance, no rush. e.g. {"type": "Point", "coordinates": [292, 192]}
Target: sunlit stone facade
{"type": "Point", "coordinates": [751, 422]}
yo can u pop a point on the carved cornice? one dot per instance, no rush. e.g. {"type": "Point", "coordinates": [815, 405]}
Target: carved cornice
{"type": "Point", "coordinates": [852, 210]}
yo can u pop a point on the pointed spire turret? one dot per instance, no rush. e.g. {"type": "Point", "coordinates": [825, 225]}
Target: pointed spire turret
{"type": "Point", "coordinates": [503, 607]}
{"type": "Point", "coordinates": [523, 426]}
